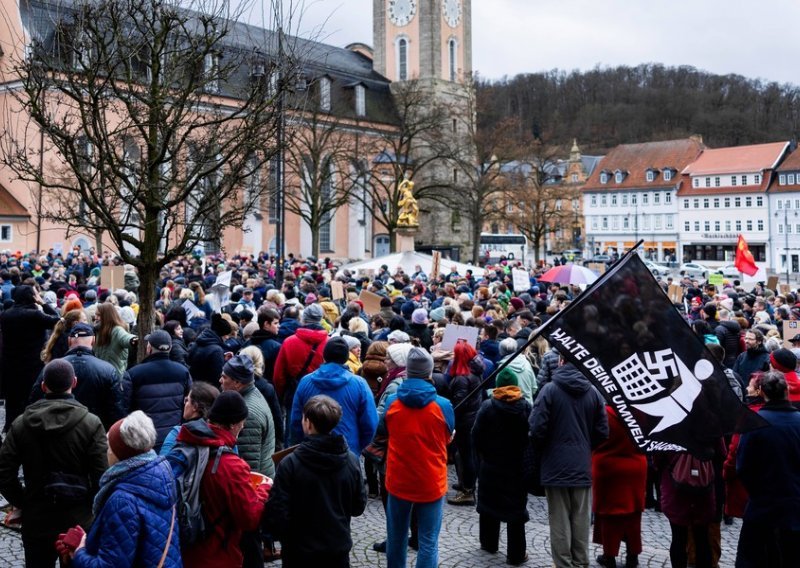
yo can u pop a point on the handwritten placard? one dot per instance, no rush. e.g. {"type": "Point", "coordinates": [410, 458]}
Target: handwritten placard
{"type": "Point", "coordinates": [453, 333]}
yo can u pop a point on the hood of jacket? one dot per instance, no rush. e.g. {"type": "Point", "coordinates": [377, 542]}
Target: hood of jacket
{"type": "Point", "coordinates": [262, 335]}
{"type": "Point", "coordinates": [55, 414]}
{"type": "Point", "coordinates": [571, 380]}
{"type": "Point", "coordinates": [311, 336]}
{"type": "Point", "coordinates": [416, 393]}
{"type": "Point", "coordinates": [208, 337]}
{"type": "Point", "coordinates": [331, 376]}
{"type": "Point", "coordinates": [323, 452]}
{"type": "Point", "coordinates": [518, 365]}
{"type": "Point", "coordinates": [288, 327]}
{"type": "Point", "coordinates": [153, 483]}
{"type": "Point", "coordinates": [201, 433]}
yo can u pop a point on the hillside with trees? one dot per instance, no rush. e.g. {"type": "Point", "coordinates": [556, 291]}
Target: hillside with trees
{"type": "Point", "coordinates": [607, 106]}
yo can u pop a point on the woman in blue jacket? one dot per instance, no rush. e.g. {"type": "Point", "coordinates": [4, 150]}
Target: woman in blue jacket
{"type": "Point", "coordinates": [135, 516]}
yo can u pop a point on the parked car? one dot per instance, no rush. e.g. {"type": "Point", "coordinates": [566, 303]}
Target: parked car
{"type": "Point", "coordinates": [600, 259]}
{"type": "Point", "coordinates": [656, 269]}
{"type": "Point", "coordinates": [694, 269]}
{"type": "Point", "coordinates": [729, 271]}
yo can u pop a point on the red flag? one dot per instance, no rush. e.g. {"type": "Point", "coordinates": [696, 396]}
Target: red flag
{"type": "Point", "coordinates": [744, 258]}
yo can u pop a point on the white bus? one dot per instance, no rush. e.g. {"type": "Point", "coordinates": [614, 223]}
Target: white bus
{"type": "Point", "coordinates": [497, 246]}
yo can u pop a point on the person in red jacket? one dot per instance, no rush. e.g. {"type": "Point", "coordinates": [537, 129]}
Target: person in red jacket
{"type": "Point", "coordinates": [230, 503]}
{"type": "Point", "coordinates": [300, 354]}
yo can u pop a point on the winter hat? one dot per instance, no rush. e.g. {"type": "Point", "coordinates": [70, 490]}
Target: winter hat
{"type": "Point", "coordinates": [240, 369]}
{"type": "Point", "coordinates": [407, 309]}
{"type": "Point", "coordinates": [419, 363]}
{"type": "Point", "coordinates": [310, 299]}
{"type": "Point", "coordinates": [517, 303]}
{"type": "Point", "coordinates": [437, 314]}
{"type": "Point", "coordinates": [336, 351]}
{"type": "Point", "coordinates": [506, 378]}
{"type": "Point", "coordinates": [58, 375]}
{"type": "Point", "coordinates": [710, 310]}
{"type": "Point", "coordinates": [160, 340]}
{"type": "Point", "coordinates": [131, 436]}
{"type": "Point", "coordinates": [398, 353]}
{"type": "Point", "coordinates": [250, 329]}
{"type": "Point", "coordinates": [313, 314]}
{"type": "Point", "coordinates": [783, 360]}
{"type": "Point", "coordinates": [219, 325]}
{"type": "Point", "coordinates": [398, 336]}
{"type": "Point", "coordinates": [419, 316]}
{"type": "Point", "coordinates": [228, 408]}
{"type": "Point", "coordinates": [352, 342]}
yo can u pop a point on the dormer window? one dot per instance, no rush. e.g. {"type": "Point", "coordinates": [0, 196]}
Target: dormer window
{"type": "Point", "coordinates": [667, 174]}
{"type": "Point", "coordinates": [619, 176]}
{"type": "Point", "coordinates": [650, 175]}
{"type": "Point", "coordinates": [211, 72]}
{"type": "Point", "coordinates": [325, 94]}
{"type": "Point", "coordinates": [361, 100]}
{"type": "Point", "coordinates": [603, 177]}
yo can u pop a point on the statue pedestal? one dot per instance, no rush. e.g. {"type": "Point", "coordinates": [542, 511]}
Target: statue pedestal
{"type": "Point", "coordinates": [405, 238]}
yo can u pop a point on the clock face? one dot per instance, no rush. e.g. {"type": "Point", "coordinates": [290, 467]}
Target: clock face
{"type": "Point", "coordinates": [401, 12]}
{"type": "Point", "coordinates": [451, 9]}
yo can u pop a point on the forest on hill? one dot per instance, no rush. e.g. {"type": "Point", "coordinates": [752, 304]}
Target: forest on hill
{"type": "Point", "coordinates": [607, 106]}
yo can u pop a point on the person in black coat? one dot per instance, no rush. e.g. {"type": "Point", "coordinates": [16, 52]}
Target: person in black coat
{"type": "Point", "coordinates": [318, 489]}
{"type": "Point", "coordinates": [266, 339]}
{"type": "Point", "coordinates": [157, 386]}
{"type": "Point", "coordinates": [754, 359]}
{"type": "Point", "coordinates": [98, 387]}
{"type": "Point", "coordinates": [179, 353]}
{"type": "Point", "coordinates": [500, 437]}
{"type": "Point", "coordinates": [207, 354]}
{"type": "Point", "coordinates": [24, 333]}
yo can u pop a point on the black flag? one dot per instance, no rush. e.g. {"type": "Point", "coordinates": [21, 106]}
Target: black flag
{"type": "Point", "coordinates": [625, 336]}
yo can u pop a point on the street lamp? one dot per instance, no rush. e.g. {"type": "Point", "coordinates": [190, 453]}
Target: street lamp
{"type": "Point", "coordinates": [786, 237]}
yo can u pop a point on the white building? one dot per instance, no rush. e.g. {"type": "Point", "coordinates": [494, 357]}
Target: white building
{"type": "Point", "coordinates": [784, 205]}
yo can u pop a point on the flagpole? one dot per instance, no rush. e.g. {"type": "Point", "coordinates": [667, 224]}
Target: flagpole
{"type": "Point", "coordinates": [537, 332]}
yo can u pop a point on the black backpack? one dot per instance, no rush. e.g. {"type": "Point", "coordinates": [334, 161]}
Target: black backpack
{"type": "Point", "coordinates": [192, 460]}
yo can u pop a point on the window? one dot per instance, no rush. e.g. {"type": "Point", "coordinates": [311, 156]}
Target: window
{"type": "Point", "coordinates": [797, 203]}
{"type": "Point", "coordinates": [759, 201]}
{"type": "Point", "coordinates": [325, 94]}
{"type": "Point", "coordinates": [574, 178]}
{"type": "Point", "coordinates": [594, 201]}
{"type": "Point", "coordinates": [656, 199]}
{"type": "Point", "coordinates": [749, 225]}
{"type": "Point", "coordinates": [633, 199]}
{"type": "Point", "coordinates": [716, 181]}
{"type": "Point", "coordinates": [782, 179]}
{"type": "Point", "coordinates": [716, 226]}
{"type": "Point", "coordinates": [789, 229]}
{"type": "Point", "coordinates": [668, 198]}
{"type": "Point", "coordinates": [706, 225]}
{"type": "Point", "coordinates": [625, 222]}
{"type": "Point", "coordinates": [738, 226]}
{"type": "Point", "coordinates": [695, 182]}
{"type": "Point", "coordinates": [788, 204]}
{"type": "Point", "coordinates": [696, 203]}
{"type": "Point", "coordinates": [5, 233]}
{"type": "Point", "coordinates": [733, 181]}
{"type": "Point", "coordinates": [605, 223]}
{"type": "Point", "coordinates": [686, 204]}
{"type": "Point", "coordinates": [646, 222]}
{"type": "Point", "coordinates": [727, 225]}
{"type": "Point", "coordinates": [668, 223]}
{"type": "Point", "coordinates": [687, 226]}
{"type": "Point", "coordinates": [797, 227]}
{"type": "Point", "coordinates": [716, 203]}
{"type": "Point", "coordinates": [594, 223]}
{"type": "Point", "coordinates": [603, 177]}
{"type": "Point", "coordinates": [361, 100]}
{"type": "Point", "coordinates": [760, 224]}
{"type": "Point", "coordinates": [618, 177]}
{"type": "Point", "coordinates": [452, 50]}
{"type": "Point", "coordinates": [737, 202]}
{"type": "Point", "coordinates": [614, 200]}
{"type": "Point", "coordinates": [509, 207]}
{"type": "Point", "coordinates": [603, 200]}
{"type": "Point", "coordinates": [657, 222]}
{"type": "Point", "coordinates": [697, 226]}
{"type": "Point", "coordinates": [615, 222]}
{"type": "Point", "coordinates": [708, 182]}
{"type": "Point", "coordinates": [744, 180]}
{"type": "Point", "coordinates": [748, 201]}
{"type": "Point", "coordinates": [727, 202]}
{"type": "Point", "coordinates": [790, 179]}
{"type": "Point", "coordinates": [402, 59]}
{"type": "Point", "coordinates": [667, 175]}
{"type": "Point", "coordinates": [780, 228]}
{"type": "Point", "coordinates": [211, 71]}
{"type": "Point", "coordinates": [705, 203]}
{"type": "Point", "coordinates": [558, 203]}
{"type": "Point", "coordinates": [757, 179]}
{"type": "Point", "coordinates": [624, 199]}
{"type": "Point", "coordinates": [650, 175]}
{"type": "Point", "coordinates": [780, 204]}
{"type": "Point", "coordinates": [645, 198]}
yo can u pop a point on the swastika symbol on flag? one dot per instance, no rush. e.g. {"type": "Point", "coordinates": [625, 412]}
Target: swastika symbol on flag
{"type": "Point", "coordinates": [661, 364]}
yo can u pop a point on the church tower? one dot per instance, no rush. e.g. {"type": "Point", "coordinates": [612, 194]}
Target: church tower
{"type": "Point", "coordinates": [430, 41]}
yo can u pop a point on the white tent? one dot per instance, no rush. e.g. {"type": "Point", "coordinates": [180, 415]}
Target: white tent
{"type": "Point", "coordinates": [407, 261]}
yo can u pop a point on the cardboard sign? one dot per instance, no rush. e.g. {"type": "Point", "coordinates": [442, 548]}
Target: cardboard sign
{"type": "Point", "coordinates": [715, 279]}
{"type": "Point", "coordinates": [371, 301]}
{"type": "Point", "coordinates": [452, 333]}
{"type": "Point", "coordinates": [599, 267]}
{"type": "Point", "coordinates": [772, 283]}
{"type": "Point", "coordinates": [436, 265]}
{"type": "Point", "coordinates": [520, 280]}
{"type": "Point", "coordinates": [790, 329]}
{"type": "Point", "coordinates": [337, 290]}
{"type": "Point", "coordinates": [112, 277]}
{"type": "Point", "coordinates": [785, 288]}
{"type": "Point", "coordinates": [191, 310]}
{"type": "Point", "coordinates": [675, 293]}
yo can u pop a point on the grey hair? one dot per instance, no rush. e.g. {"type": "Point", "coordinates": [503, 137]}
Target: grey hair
{"type": "Point", "coordinates": [508, 346]}
{"type": "Point", "coordinates": [138, 431]}
{"type": "Point", "coordinates": [772, 344]}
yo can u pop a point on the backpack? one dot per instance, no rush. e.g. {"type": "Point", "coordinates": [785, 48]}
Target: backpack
{"type": "Point", "coordinates": [691, 475]}
{"type": "Point", "coordinates": [193, 460]}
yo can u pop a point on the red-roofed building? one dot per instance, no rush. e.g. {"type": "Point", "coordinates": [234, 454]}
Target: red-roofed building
{"type": "Point", "coordinates": [631, 195]}
{"type": "Point", "coordinates": [723, 195]}
{"type": "Point", "coordinates": [784, 204]}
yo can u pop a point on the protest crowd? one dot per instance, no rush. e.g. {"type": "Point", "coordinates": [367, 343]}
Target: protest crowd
{"type": "Point", "coordinates": [263, 417]}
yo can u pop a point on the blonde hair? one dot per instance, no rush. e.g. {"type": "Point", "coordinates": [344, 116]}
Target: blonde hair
{"type": "Point", "coordinates": [358, 325]}
{"type": "Point", "coordinates": [257, 357]}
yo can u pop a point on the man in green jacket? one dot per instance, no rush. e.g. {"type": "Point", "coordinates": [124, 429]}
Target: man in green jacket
{"type": "Point", "coordinates": [61, 448]}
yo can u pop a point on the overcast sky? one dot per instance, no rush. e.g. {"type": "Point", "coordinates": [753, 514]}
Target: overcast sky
{"type": "Point", "coordinates": [754, 39]}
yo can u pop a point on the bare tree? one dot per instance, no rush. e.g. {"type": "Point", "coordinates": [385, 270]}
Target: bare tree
{"type": "Point", "coordinates": [533, 195]}
{"type": "Point", "coordinates": [410, 151]}
{"type": "Point", "coordinates": [157, 117]}
{"type": "Point", "coordinates": [318, 158]}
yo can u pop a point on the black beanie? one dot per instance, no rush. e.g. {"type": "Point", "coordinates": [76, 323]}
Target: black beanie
{"type": "Point", "coordinates": [58, 375]}
{"type": "Point", "coordinates": [228, 408]}
{"type": "Point", "coordinates": [219, 325]}
{"type": "Point", "coordinates": [783, 360]}
{"type": "Point", "coordinates": [336, 351]}
{"type": "Point", "coordinates": [711, 310]}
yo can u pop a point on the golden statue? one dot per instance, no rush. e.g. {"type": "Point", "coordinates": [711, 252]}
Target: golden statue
{"type": "Point", "coordinates": [409, 211]}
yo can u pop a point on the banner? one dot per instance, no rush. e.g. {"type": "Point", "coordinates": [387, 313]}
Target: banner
{"type": "Point", "coordinates": [628, 339]}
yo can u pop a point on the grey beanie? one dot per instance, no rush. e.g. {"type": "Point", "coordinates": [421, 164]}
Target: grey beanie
{"type": "Point", "coordinates": [313, 314]}
{"type": "Point", "coordinates": [419, 364]}
{"type": "Point", "coordinates": [352, 342]}
{"type": "Point", "coordinates": [240, 369]}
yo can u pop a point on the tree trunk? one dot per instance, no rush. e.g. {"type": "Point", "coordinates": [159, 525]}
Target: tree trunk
{"type": "Point", "coordinates": [476, 236]}
{"type": "Point", "coordinates": [98, 242]}
{"type": "Point", "coordinates": [315, 241]}
{"type": "Point", "coordinates": [392, 240]}
{"type": "Point", "coordinates": [149, 269]}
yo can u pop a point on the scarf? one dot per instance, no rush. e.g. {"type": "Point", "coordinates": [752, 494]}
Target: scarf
{"type": "Point", "coordinates": [393, 374]}
{"type": "Point", "coordinates": [510, 393]}
{"type": "Point", "coordinates": [115, 474]}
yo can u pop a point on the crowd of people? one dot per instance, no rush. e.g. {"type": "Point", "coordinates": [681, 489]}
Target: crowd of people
{"type": "Point", "coordinates": [285, 408]}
